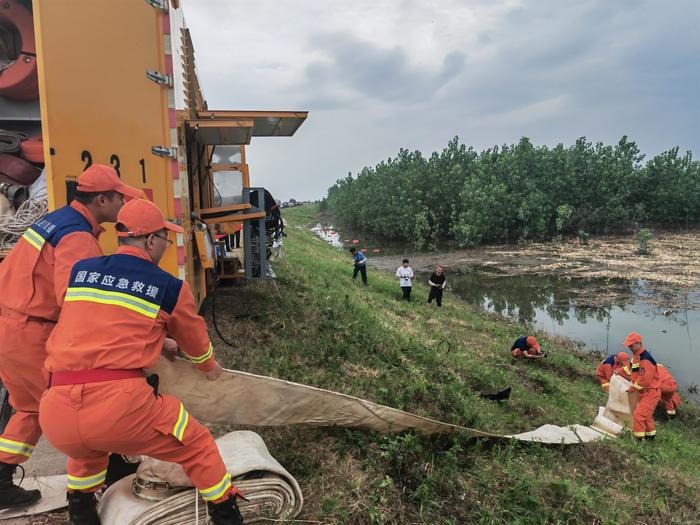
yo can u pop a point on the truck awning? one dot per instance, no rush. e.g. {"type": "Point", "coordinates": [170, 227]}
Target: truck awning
{"type": "Point", "coordinates": [238, 127]}
{"type": "Point", "coordinates": [231, 213]}
{"type": "Point", "coordinates": [221, 132]}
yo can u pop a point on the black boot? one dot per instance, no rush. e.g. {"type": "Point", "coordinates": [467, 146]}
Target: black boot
{"type": "Point", "coordinates": [82, 509]}
{"type": "Point", "coordinates": [10, 494]}
{"type": "Point", "coordinates": [118, 468]}
{"type": "Point", "coordinates": [225, 513]}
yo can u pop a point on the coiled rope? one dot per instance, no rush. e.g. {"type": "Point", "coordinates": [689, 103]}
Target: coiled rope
{"type": "Point", "coordinates": [10, 140]}
{"type": "Point", "coordinates": [13, 227]}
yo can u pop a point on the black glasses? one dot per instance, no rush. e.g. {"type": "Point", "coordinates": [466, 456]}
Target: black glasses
{"type": "Point", "coordinates": [170, 243]}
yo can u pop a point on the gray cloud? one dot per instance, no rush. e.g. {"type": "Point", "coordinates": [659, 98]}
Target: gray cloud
{"type": "Point", "coordinates": [368, 70]}
{"type": "Point", "coordinates": [403, 73]}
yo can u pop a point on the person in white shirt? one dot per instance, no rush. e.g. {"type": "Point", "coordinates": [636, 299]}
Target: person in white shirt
{"type": "Point", "coordinates": [405, 274]}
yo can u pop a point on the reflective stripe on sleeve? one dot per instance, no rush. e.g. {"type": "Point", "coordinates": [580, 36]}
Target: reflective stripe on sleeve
{"type": "Point", "coordinates": [34, 239]}
{"type": "Point", "coordinates": [201, 358]}
{"type": "Point", "coordinates": [218, 490]}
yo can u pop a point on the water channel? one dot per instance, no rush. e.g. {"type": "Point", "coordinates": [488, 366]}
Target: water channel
{"type": "Point", "coordinates": [552, 304]}
{"type": "Point", "coordinates": [565, 307]}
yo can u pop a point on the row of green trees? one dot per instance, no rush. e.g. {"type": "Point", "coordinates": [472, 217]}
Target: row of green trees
{"type": "Point", "coordinates": [518, 193]}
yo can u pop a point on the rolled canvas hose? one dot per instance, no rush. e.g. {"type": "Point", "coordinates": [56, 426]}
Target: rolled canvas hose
{"type": "Point", "coordinates": [273, 492]}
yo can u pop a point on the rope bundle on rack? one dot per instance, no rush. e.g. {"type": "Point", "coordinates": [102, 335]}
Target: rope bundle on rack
{"type": "Point", "coordinates": [10, 140]}
{"type": "Point", "coordinates": [12, 227]}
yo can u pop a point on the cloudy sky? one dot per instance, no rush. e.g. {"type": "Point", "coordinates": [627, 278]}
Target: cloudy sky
{"type": "Point", "coordinates": [380, 75]}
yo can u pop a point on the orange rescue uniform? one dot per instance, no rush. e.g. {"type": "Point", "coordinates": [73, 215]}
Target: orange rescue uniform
{"type": "Point", "coordinates": [609, 367]}
{"type": "Point", "coordinates": [625, 372]}
{"type": "Point", "coordinates": [99, 401]}
{"type": "Point", "coordinates": [669, 390]}
{"type": "Point", "coordinates": [33, 280]}
{"type": "Point", "coordinates": [645, 377]}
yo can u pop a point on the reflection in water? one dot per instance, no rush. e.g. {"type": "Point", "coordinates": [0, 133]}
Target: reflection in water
{"type": "Point", "coordinates": [567, 307]}
{"type": "Point", "coordinates": [522, 296]}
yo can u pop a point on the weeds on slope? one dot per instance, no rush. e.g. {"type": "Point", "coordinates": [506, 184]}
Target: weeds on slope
{"type": "Point", "coordinates": [329, 332]}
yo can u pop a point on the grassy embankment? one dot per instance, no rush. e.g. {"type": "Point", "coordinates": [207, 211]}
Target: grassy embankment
{"type": "Point", "coordinates": [328, 332]}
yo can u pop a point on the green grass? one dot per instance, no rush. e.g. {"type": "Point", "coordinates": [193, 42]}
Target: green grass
{"type": "Point", "coordinates": [329, 332]}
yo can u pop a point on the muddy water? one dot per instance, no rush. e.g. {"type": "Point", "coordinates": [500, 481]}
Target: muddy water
{"type": "Point", "coordinates": [561, 306]}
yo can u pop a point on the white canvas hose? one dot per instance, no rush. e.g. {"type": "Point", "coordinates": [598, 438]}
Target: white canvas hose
{"type": "Point", "coordinates": [230, 400]}
{"type": "Point", "coordinates": [269, 499]}
{"type": "Point", "coordinates": [273, 492]}
{"type": "Point", "coordinates": [277, 403]}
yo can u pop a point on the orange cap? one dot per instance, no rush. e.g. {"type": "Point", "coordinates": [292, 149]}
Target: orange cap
{"type": "Point", "coordinates": [531, 341]}
{"type": "Point", "coordinates": [632, 337]}
{"type": "Point", "coordinates": [99, 177]}
{"type": "Point", "coordinates": [142, 217]}
{"type": "Point", "coordinates": [623, 357]}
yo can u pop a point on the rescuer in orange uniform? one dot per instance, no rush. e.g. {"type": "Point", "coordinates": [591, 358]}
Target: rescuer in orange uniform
{"type": "Point", "coordinates": [113, 323]}
{"type": "Point", "coordinates": [669, 391]}
{"type": "Point", "coordinates": [614, 364]}
{"type": "Point", "coordinates": [645, 378]}
{"type": "Point", "coordinates": [528, 347]}
{"type": "Point", "coordinates": [33, 281]}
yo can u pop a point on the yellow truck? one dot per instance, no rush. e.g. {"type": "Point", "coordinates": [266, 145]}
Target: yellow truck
{"type": "Point", "coordinates": [117, 84]}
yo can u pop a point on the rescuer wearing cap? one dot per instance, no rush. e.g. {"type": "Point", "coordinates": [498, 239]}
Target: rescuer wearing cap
{"type": "Point", "coordinates": [115, 317]}
{"type": "Point", "coordinates": [33, 281]}
{"type": "Point", "coordinates": [614, 364]}
{"type": "Point", "coordinates": [528, 347]}
{"type": "Point", "coordinates": [645, 378]}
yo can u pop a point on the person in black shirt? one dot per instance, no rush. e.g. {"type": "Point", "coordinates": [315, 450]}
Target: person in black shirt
{"type": "Point", "coordinates": [437, 283]}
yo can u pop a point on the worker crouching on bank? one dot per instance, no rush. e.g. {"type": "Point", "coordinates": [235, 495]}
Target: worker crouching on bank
{"type": "Point", "coordinates": [670, 399]}
{"type": "Point", "coordinates": [615, 364]}
{"type": "Point", "coordinates": [527, 347]}
{"type": "Point", "coordinates": [116, 314]}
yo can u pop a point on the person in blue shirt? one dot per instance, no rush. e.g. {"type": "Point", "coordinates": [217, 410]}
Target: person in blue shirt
{"type": "Point", "coordinates": [360, 261]}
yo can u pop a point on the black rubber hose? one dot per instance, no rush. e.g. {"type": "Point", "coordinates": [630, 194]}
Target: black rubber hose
{"type": "Point", "coordinates": [213, 318]}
